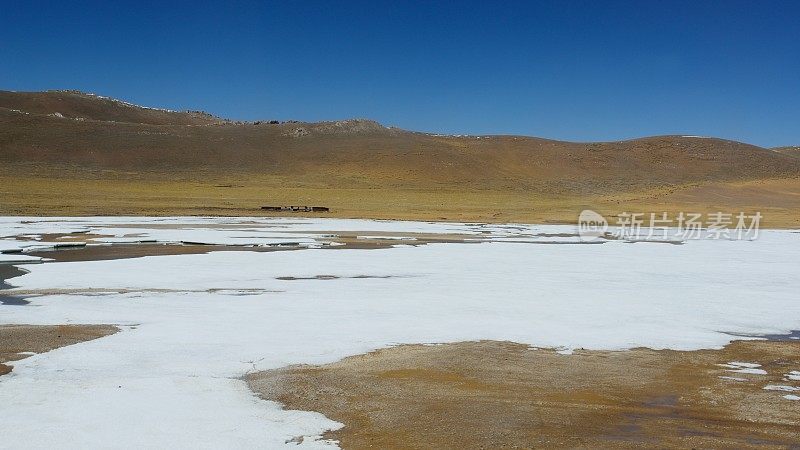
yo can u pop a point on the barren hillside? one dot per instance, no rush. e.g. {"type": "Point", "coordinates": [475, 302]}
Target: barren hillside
{"type": "Point", "coordinates": [791, 151]}
{"type": "Point", "coordinates": [67, 136]}
{"type": "Point", "coordinates": [83, 106]}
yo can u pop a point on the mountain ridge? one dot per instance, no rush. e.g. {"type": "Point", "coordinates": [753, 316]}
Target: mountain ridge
{"type": "Point", "coordinates": [33, 102]}
{"type": "Point", "coordinates": [357, 147]}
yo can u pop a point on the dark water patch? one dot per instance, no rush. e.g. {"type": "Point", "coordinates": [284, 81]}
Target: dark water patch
{"type": "Point", "coordinates": [8, 271]}
{"type": "Point", "coordinates": [510, 227]}
{"type": "Point", "coordinates": [557, 235]}
{"type": "Point", "coordinates": [13, 300]}
{"type": "Point", "coordinates": [191, 243]}
{"type": "Point", "coordinates": [655, 241]}
{"type": "Point", "coordinates": [793, 335]}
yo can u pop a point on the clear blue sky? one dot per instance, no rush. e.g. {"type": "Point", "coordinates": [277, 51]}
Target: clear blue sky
{"type": "Point", "coordinates": [573, 70]}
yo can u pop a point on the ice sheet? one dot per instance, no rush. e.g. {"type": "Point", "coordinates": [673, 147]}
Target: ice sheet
{"type": "Point", "coordinates": [173, 374]}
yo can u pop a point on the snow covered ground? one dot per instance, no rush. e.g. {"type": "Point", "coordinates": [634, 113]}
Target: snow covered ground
{"type": "Point", "coordinates": [192, 325]}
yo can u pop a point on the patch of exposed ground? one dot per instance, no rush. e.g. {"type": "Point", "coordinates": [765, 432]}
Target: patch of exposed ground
{"type": "Point", "coordinates": [102, 252]}
{"type": "Point", "coordinates": [20, 341]}
{"type": "Point", "coordinates": [504, 395]}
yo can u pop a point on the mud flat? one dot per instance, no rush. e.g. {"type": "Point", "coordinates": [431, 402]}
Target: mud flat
{"type": "Point", "coordinates": [492, 394]}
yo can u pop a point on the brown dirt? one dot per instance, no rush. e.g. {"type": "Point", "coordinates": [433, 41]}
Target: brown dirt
{"type": "Point", "coordinates": [505, 395]}
{"type": "Point", "coordinates": [15, 340]}
{"type": "Point", "coordinates": [126, 251]}
{"type": "Point", "coordinates": [138, 250]}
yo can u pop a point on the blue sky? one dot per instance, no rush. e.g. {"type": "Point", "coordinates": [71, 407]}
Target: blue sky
{"type": "Point", "coordinates": [572, 70]}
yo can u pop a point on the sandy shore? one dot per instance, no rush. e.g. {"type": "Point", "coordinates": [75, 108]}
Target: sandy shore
{"type": "Point", "coordinates": [503, 395]}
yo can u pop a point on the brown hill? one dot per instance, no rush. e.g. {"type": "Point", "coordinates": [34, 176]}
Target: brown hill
{"type": "Point", "coordinates": [95, 138]}
{"type": "Point", "coordinates": [791, 151]}
{"type": "Point", "coordinates": [82, 106]}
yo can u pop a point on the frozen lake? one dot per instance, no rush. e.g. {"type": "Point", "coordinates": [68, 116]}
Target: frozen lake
{"type": "Point", "coordinates": [194, 324]}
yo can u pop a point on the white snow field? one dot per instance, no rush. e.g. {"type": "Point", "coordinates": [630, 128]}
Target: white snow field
{"type": "Point", "coordinates": [193, 325]}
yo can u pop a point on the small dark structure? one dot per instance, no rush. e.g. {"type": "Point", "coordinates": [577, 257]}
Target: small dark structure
{"type": "Point", "coordinates": [296, 208]}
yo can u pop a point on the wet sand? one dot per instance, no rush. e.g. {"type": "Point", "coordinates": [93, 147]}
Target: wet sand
{"type": "Point", "coordinates": [504, 395]}
{"type": "Point", "coordinates": [19, 341]}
